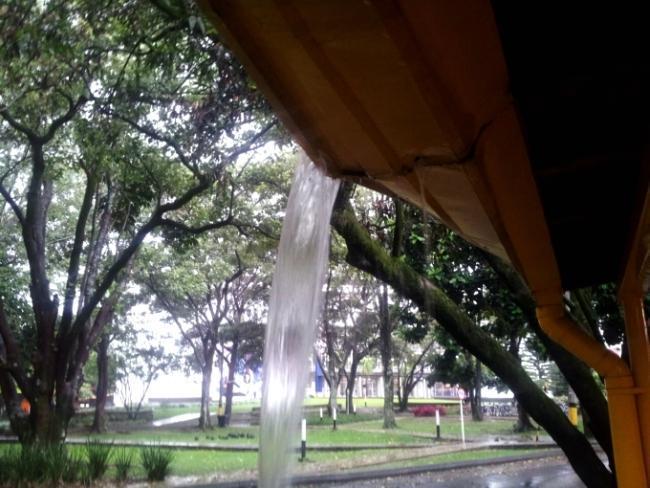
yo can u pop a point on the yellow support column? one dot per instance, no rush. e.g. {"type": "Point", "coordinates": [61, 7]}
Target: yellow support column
{"type": "Point", "coordinates": [637, 339]}
{"type": "Point", "coordinates": [621, 389]}
{"type": "Point", "coordinates": [626, 437]}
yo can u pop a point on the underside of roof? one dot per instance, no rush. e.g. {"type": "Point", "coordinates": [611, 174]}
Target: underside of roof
{"type": "Point", "coordinates": [524, 131]}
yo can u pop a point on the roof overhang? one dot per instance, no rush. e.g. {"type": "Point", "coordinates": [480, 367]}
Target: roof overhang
{"type": "Point", "coordinates": [529, 141]}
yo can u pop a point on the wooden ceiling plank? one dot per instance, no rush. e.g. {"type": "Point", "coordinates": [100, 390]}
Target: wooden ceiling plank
{"type": "Point", "coordinates": [227, 16]}
{"type": "Point", "coordinates": [438, 98]}
{"type": "Point", "coordinates": [338, 83]}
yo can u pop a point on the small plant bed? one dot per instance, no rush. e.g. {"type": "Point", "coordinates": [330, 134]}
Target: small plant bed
{"type": "Point", "coordinates": [56, 465]}
{"type": "Point", "coordinates": [85, 465]}
{"type": "Point", "coordinates": [228, 436]}
{"type": "Point", "coordinates": [428, 410]}
{"type": "Point", "coordinates": [313, 418]}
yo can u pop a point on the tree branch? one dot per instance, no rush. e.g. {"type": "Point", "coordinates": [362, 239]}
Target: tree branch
{"type": "Point", "coordinates": [29, 133]}
{"type": "Point", "coordinates": [73, 107]}
{"type": "Point", "coordinates": [75, 254]}
{"type": "Point", "coordinates": [153, 134]}
{"type": "Point", "coordinates": [170, 310]}
{"type": "Point", "coordinates": [195, 230]}
{"type": "Point", "coordinates": [18, 212]}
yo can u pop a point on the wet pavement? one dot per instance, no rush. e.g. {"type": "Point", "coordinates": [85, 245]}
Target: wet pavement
{"type": "Point", "coordinates": [540, 473]}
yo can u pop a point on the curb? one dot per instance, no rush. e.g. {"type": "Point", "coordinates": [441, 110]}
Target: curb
{"type": "Point", "coordinates": [391, 472]}
{"type": "Point", "coordinates": [232, 447]}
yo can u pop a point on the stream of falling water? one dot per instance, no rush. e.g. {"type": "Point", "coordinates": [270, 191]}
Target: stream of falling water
{"type": "Point", "coordinates": [294, 308]}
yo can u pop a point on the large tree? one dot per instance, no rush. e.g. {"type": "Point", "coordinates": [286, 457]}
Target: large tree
{"type": "Point", "coordinates": [369, 255]}
{"type": "Point", "coordinates": [89, 102]}
{"type": "Point", "coordinates": [348, 329]}
{"type": "Point", "coordinates": [194, 293]}
{"type": "Point", "coordinates": [242, 336]}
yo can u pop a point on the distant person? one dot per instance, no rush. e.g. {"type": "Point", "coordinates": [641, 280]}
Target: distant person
{"type": "Point", "coordinates": [25, 406]}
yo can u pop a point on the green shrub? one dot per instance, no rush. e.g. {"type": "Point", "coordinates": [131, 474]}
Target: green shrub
{"type": "Point", "coordinates": [8, 458]}
{"type": "Point", "coordinates": [41, 465]}
{"type": "Point", "coordinates": [98, 459]}
{"type": "Point", "coordinates": [75, 468]}
{"type": "Point", "coordinates": [33, 464]}
{"type": "Point", "coordinates": [29, 465]}
{"type": "Point", "coordinates": [55, 460]}
{"type": "Point", "coordinates": [156, 461]}
{"type": "Point", "coordinates": [123, 460]}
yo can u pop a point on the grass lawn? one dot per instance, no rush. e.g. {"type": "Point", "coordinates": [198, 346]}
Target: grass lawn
{"type": "Point", "coordinates": [188, 463]}
{"type": "Point", "coordinates": [322, 435]}
{"type": "Point", "coordinates": [366, 431]}
{"type": "Point", "coordinates": [449, 426]}
{"type": "Point", "coordinates": [200, 463]}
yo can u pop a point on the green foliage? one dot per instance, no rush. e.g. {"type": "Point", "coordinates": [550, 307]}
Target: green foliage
{"type": "Point", "coordinates": [48, 465]}
{"type": "Point", "coordinates": [123, 460]}
{"type": "Point", "coordinates": [99, 456]}
{"type": "Point", "coordinates": [76, 469]}
{"type": "Point", "coordinates": [137, 126]}
{"type": "Point", "coordinates": [156, 461]}
{"type": "Point", "coordinates": [606, 307]}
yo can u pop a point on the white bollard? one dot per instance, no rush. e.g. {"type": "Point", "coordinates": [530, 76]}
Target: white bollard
{"type": "Point", "coordinates": [303, 439]}
{"type": "Point", "coordinates": [462, 423]}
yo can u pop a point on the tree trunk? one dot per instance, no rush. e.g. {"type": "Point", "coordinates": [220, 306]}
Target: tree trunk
{"type": "Point", "coordinates": [101, 394]}
{"type": "Point", "coordinates": [386, 350]}
{"type": "Point", "coordinates": [577, 373]}
{"type": "Point", "coordinates": [352, 379]}
{"type": "Point", "coordinates": [232, 368]}
{"type": "Point", "coordinates": [403, 402]}
{"type": "Point", "coordinates": [406, 388]}
{"type": "Point", "coordinates": [523, 420]}
{"type": "Point", "coordinates": [206, 381]}
{"type": "Point", "coordinates": [47, 424]}
{"type": "Point", "coordinates": [334, 387]}
{"type": "Point", "coordinates": [367, 255]}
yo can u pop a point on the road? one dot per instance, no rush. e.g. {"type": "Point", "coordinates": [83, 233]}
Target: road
{"type": "Point", "coordinates": [541, 473]}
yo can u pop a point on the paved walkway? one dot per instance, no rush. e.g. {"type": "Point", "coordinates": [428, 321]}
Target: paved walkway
{"type": "Point", "coordinates": [238, 419]}
{"type": "Point", "coordinates": [177, 419]}
{"type": "Point", "coordinates": [552, 472]}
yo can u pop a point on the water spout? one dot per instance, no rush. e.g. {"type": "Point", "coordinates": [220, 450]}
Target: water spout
{"type": "Point", "coordinates": [295, 305]}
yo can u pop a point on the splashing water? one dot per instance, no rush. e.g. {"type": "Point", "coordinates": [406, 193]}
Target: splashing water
{"type": "Point", "coordinates": [296, 301]}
